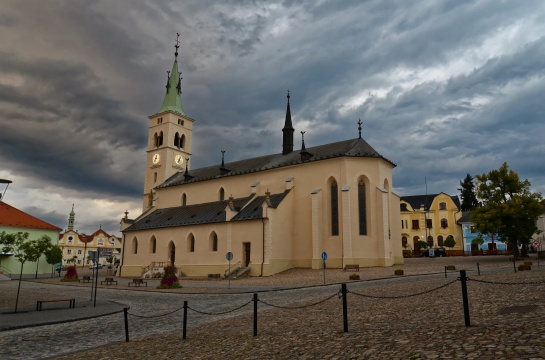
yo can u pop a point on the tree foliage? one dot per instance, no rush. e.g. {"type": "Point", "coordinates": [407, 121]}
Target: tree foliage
{"type": "Point", "coordinates": [23, 250]}
{"type": "Point", "coordinates": [467, 193]}
{"type": "Point", "coordinates": [508, 209]}
{"type": "Point", "coordinates": [54, 255]}
{"type": "Point", "coordinates": [449, 242]}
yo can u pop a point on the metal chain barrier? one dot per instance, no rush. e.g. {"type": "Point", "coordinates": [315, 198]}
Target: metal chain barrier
{"type": "Point", "coordinates": [508, 283]}
{"type": "Point", "coordinates": [298, 307]}
{"type": "Point", "coordinates": [156, 316]}
{"type": "Point", "coordinates": [404, 296]}
{"type": "Point", "coordinates": [221, 312]}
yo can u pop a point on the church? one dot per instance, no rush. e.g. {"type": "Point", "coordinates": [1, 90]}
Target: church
{"type": "Point", "coordinates": [267, 214]}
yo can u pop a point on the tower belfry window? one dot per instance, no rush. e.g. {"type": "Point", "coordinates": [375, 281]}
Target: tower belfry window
{"type": "Point", "coordinates": [177, 140]}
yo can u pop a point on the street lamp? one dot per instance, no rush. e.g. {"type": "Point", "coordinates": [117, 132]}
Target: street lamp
{"type": "Point", "coordinates": [7, 182]}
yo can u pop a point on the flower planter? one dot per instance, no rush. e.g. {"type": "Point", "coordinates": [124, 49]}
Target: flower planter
{"type": "Point", "coordinates": [398, 272]}
{"type": "Point", "coordinates": [354, 277]}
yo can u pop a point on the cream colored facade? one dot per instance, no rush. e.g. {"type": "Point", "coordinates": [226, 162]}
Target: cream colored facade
{"type": "Point", "coordinates": [441, 213]}
{"type": "Point", "coordinates": [76, 247]}
{"type": "Point", "coordinates": [272, 213]}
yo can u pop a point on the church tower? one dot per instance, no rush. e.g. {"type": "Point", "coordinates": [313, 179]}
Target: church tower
{"type": "Point", "coordinates": [169, 136]}
{"type": "Point", "coordinates": [71, 219]}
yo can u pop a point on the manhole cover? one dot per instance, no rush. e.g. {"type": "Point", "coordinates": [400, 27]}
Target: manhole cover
{"type": "Point", "coordinates": [36, 338]}
{"type": "Point", "coordinates": [523, 309]}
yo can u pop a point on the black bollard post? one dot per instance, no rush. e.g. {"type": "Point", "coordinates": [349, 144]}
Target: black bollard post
{"type": "Point", "coordinates": [514, 266]}
{"type": "Point", "coordinates": [185, 320]}
{"type": "Point", "coordinates": [445, 272]}
{"type": "Point", "coordinates": [255, 314]}
{"type": "Point", "coordinates": [345, 308]}
{"type": "Point", "coordinates": [478, 269]}
{"type": "Point", "coordinates": [463, 279]}
{"type": "Point", "coordinates": [125, 312]}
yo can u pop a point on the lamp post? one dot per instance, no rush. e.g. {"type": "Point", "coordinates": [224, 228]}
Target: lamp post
{"type": "Point", "coordinates": [7, 182]}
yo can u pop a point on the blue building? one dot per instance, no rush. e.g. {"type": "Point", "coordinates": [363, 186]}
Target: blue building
{"type": "Point", "coordinates": [492, 243]}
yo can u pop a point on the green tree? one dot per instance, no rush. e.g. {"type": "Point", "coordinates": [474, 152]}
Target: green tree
{"type": "Point", "coordinates": [508, 209]}
{"type": "Point", "coordinates": [53, 256]}
{"type": "Point", "coordinates": [449, 242]}
{"type": "Point", "coordinates": [43, 245]}
{"type": "Point", "coordinates": [421, 245]}
{"type": "Point", "coordinates": [467, 193]}
{"type": "Point", "coordinates": [23, 249]}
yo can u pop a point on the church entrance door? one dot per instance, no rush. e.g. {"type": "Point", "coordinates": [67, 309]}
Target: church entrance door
{"type": "Point", "coordinates": [246, 254]}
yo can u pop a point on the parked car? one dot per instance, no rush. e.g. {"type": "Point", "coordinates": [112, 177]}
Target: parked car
{"type": "Point", "coordinates": [437, 252]}
{"type": "Point", "coordinates": [60, 267]}
{"type": "Point", "coordinates": [94, 266]}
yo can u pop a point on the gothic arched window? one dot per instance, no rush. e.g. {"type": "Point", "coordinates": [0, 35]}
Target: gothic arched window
{"type": "Point", "coordinates": [334, 208]}
{"type": "Point", "coordinates": [222, 194]}
{"type": "Point", "coordinates": [184, 200]}
{"type": "Point", "coordinates": [177, 140]}
{"type": "Point", "coordinates": [362, 208]}
{"type": "Point", "coordinates": [182, 141]}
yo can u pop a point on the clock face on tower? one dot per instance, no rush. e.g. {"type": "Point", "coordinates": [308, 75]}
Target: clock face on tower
{"type": "Point", "coordinates": [156, 158]}
{"type": "Point", "coordinates": [178, 160]}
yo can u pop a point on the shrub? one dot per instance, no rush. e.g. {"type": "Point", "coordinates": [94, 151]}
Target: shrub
{"type": "Point", "coordinates": [169, 280]}
{"type": "Point", "coordinates": [71, 274]}
{"type": "Point", "coordinates": [354, 277]}
{"type": "Point", "coordinates": [451, 267]}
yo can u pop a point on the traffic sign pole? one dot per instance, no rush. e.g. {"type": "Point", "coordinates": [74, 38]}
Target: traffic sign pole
{"type": "Point", "coordinates": [324, 258]}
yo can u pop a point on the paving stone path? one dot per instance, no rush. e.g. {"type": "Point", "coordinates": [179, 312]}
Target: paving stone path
{"type": "Point", "coordinates": [385, 321]}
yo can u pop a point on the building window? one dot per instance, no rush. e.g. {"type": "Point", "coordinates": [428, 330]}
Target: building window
{"type": "Point", "coordinates": [191, 243]}
{"type": "Point", "coordinates": [155, 177]}
{"type": "Point", "coordinates": [415, 225]}
{"type": "Point", "coordinates": [184, 200]}
{"type": "Point", "coordinates": [177, 140]}
{"type": "Point", "coordinates": [182, 141]}
{"type": "Point", "coordinates": [153, 245]}
{"type": "Point", "coordinates": [180, 122]}
{"type": "Point", "coordinates": [444, 223]}
{"type": "Point", "coordinates": [429, 223]}
{"type": "Point", "coordinates": [79, 252]}
{"type": "Point", "coordinates": [158, 139]}
{"type": "Point", "coordinates": [334, 209]}
{"type": "Point", "coordinates": [440, 241]}
{"type": "Point", "coordinates": [134, 246]}
{"type": "Point", "coordinates": [222, 194]}
{"type": "Point", "coordinates": [430, 241]}
{"type": "Point", "coordinates": [472, 229]}
{"type": "Point", "coordinates": [69, 252]}
{"type": "Point", "coordinates": [362, 207]}
{"type": "Point", "coordinates": [214, 242]}
{"type": "Point", "coordinates": [442, 206]}
{"type": "Point", "coordinates": [402, 224]}
{"type": "Point", "coordinates": [404, 241]}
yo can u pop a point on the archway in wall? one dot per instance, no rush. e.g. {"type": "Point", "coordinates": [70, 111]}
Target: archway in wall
{"type": "Point", "coordinates": [415, 243]}
{"type": "Point", "coordinates": [135, 245]}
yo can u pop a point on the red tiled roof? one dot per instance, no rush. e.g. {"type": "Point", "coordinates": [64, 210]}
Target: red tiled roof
{"type": "Point", "coordinates": [10, 216]}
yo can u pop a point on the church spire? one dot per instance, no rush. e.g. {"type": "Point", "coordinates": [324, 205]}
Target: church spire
{"type": "Point", "coordinates": [71, 219]}
{"type": "Point", "coordinates": [287, 131]}
{"type": "Point", "coordinates": [173, 96]}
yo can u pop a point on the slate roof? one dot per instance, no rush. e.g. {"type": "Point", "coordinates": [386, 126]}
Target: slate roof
{"type": "Point", "coordinates": [417, 200]}
{"type": "Point", "coordinates": [351, 148]}
{"type": "Point", "coordinates": [207, 213]}
{"type": "Point", "coordinates": [10, 216]}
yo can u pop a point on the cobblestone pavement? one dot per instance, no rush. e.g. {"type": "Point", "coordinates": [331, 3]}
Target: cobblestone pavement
{"type": "Point", "coordinates": [384, 320]}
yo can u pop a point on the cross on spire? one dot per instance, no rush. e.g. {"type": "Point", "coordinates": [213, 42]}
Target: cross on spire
{"type": "Point", "coordinates": [288, 96]}
{"type": "Point", "coordinates": [177, 44]}
{"type": "Point", "coordinates": [359, 126]}
{"type": "Point", "coordinates": [303, 135]}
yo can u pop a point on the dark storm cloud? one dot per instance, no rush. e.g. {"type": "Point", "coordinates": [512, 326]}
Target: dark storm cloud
{"type": "Point", "coordinates": [443, 88]}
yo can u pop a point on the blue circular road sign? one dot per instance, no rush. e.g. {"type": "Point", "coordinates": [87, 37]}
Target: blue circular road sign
{"type": "Point", "coordinates": [229, 256]}
{"type": "Point", "coordinates": [324, 256]}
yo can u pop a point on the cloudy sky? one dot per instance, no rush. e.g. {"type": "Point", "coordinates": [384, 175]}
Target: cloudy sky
{"type": "Point", "coordinates": [444, 88]}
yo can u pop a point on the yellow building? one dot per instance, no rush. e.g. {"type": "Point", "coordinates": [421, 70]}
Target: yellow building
{"type": "Point", "coordinates": [431, 218]}
{"type": "Point", "coordinates": [272, 212]}
{"type": "Point", "coordinates": [76, 247]}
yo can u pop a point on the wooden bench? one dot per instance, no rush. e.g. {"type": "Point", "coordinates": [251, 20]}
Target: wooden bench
{"type": "Point", "coordinates": [86, 279]}
{"type": "Point", "coordinates": [354, 267]}
{"type": "Point", "coordinates": [138, 282]}
{"type": "Point", "coordinates": [71, 305]}
{"type": "Point", "coordinates": [108, 281]}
